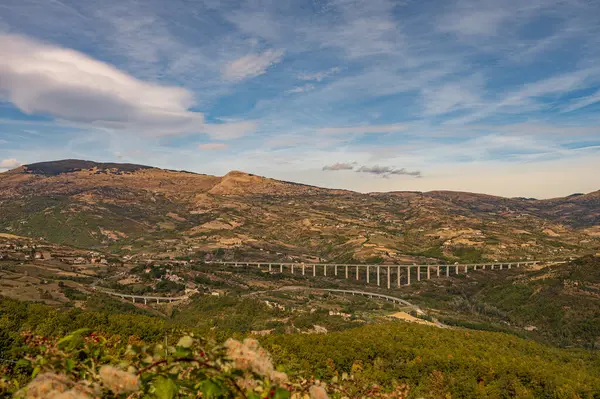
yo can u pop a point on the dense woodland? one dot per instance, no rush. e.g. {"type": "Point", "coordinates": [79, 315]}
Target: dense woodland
{"type": "Point", "coordinates": [392, 358]}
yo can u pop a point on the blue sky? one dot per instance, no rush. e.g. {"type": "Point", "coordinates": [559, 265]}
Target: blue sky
{"type": "Point", "coordinates": [501, 97]}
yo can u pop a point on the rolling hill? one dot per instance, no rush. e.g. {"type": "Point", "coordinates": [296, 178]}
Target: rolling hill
{"type": "Point", "coordinates": [143, 211]}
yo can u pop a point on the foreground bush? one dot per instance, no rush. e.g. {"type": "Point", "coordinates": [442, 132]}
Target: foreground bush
{"type": "Point", "coordinates": [84, 365]}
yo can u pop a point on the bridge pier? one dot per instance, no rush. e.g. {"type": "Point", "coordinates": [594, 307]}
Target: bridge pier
{"type": "Point", "coordinates": [501, 264]}
{"type": "Point", "coordinates": [145, 301]}
{"type": "Point", "coordinates": [368, 274]}
{"type": "Point", "coordinates": [509, 265]}
{"type": "Point", "coordinates": [378, 270]}
{"type": "Point", "coordinates": [388, 277]}
{"type": "Point", "coordinates": [407, 275]}
{"type": "Point", "coordinates": [346, 272]}
{"type": "Point", "coordinates": [356, 271]}
{"type": "Point", "coordinates": [335, 270]}
{"type": "Point", "coordinates": [447, 270]}
{"type": "Point", "coordinates": [314, 267]}
{"type": "Point", "coordinates": [437, 270]}
{"type": "Point", "coordinates": [456, 269]}
{"type": "Point", "coordinates": [281, 268]}
{"type": "Point", "coordinates": [325, 270]}
{"type": "Point", "coordinates": [428, 273]}
{"type": "Point", "coordinates": [466, 269]}
{"type": "Point", "coordinates": [418, 273]}
{"type": "Point", "coordinates": [292, 268]}
{"type": "Point", "coordinates": [270, 268]}
{"type": "Point", "coordinates": [398, 270]}
{"type": "Point", "coordinates": [303, 269]}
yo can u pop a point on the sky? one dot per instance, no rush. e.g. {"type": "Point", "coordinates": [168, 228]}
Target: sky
{"type": "Point", "coordinates": [498, 97]}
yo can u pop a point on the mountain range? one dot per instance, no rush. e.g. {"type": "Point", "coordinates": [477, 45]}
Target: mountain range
{"type": "Point", "coordinates": [141, 211]}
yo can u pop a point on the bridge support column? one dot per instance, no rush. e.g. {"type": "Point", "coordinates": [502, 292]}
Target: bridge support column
{"type": "Point", "coordinates": [157, 301]}
{"type": "Point", "coordinates": [456, 269]}
{"type": "Point", "coordinates": [335, 270]}
{"type": "Point", "coordinates": [466, 269]}
{"type": "Point", "coordinates": [235, 264]}
{"type": "Point", "coordinates": [509, 265]}
{"type": "Point", "coordinates": [501, 264]}
{"type": "Point", "coordinates": [145, 301]}
{"type": "Point", "coordinates": [398, 276]}
{"type": "Point", "coordinates": [437, 270]}
{"type": "Point", "coordinates": [378, 271]}
{"type": "Point", "coordinates": [492, 266]}
{"type": "Point", "coordinates": [346, 272]}
{"type": "Point", "coordinates": [292, 268]}
{"type": "Point", "coordinates": [447, 270]}
{"type": "Point", "coordinates": [133, 299]}
{"type": "Point", "coordinates": [314, 267]}
{"type": "Point", "coordinates": [357, 276]}
{"type": "Point", "coordinates": [281, 268]}
{"type": "Point", "coordinates": [418, 273]}
{"type": "Point", "coordinates": [474, 267]}
{"type": "Point", "coordinates": [270, 267]}
{"type": "Point", "coordinates": [368, 275]}
{"type": "Point", "coordinates": [325, 270]}
{"type": "Point", "coordinates": [483, 267]}
{"type": "Point", "coordinates": [389, 277]}
{"type": "Point", "coordinates": [303, 269]}
{"type": "Point", "coordinates": [428, 272]}
{"type": "Point", "coordinates": [407, 275]}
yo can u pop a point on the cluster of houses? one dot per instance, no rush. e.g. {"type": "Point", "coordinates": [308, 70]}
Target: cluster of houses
{"type": "Point", "coordinates": [25, 251]}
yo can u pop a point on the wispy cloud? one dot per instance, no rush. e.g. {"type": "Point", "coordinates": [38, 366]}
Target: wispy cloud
{"type": "Point", "coordinates": [319, 76]}
{"type": "Point", "coordinates": [583, 102]}
{"type": "Point", "coordinates": [394, 128]}
{"type": "Point", "coordinates": [213, 146]}
{"type": "Point", "coordinates": [301, 89]}
{"type": "Point", "coordinates": [251, 65]}
{"type": "Point", "coordinates": [386, 171]}
{"type": "Point", "coordinates": [383, 171]}
{"type": "Point", "coordinates": [340, 166]}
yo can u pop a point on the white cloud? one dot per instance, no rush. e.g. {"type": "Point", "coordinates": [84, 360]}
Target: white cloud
{"type": "Point", "coordinates": [251, 65]}
{"type": "Point", "coordinates": [10, 163]}
{"type": "Point", "coordinates": [44, 79]}
{"type": "Point", "coordinates": [230, 130]}
{"type": "Point", "coordinates": [301, 89]}
{"type": "Point", "coordinates": [319, 76]}
{"type": "Point", "coordinates": [474, 22]}
{"type": "Point", "coordinates": [213, 146]}
{"type": "Point", "coordinates": [363, 129]}
{"type": "Point", "coordinates": [449, 97]}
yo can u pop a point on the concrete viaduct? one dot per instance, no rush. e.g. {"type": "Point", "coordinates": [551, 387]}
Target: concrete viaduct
{"type": "Point", "coordinates": [392, 274]}
{"type": "Point", "coordinates": [397, 275]}
{"type": "Point", "coordinates": [144, 298]}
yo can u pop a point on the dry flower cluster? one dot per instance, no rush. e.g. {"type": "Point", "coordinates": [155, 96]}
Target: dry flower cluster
{"type": "Point", "coordinates": [249, 355]}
